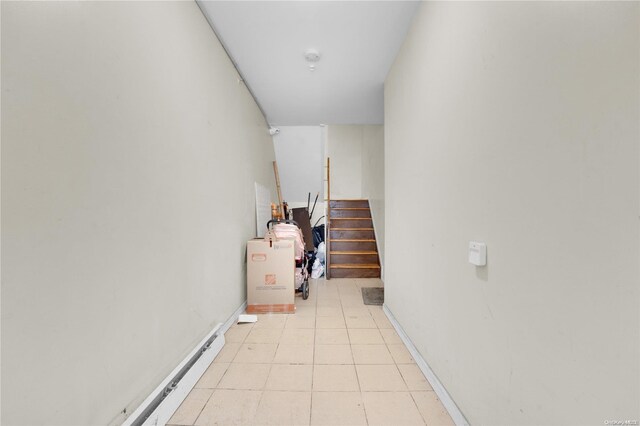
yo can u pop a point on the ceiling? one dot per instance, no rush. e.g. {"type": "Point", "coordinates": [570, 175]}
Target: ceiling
{"type": "Point", "coordinates": [357, 42]}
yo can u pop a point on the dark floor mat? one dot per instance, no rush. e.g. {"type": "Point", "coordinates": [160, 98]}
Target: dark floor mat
{"type": "Point", "coordinates": [373, 295]}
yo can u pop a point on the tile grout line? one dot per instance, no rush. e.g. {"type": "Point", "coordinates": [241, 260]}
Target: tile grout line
{"type": "Point", "coordinates": [437, 387]}
{"type": "Point", "coordinates": [203, 405]}
{"type": "Point", "coordinates": [215, 389]}
{"type": "Point", "coordinates": [366, 419]}
{"type": "Point", "coordinates": [395, 364]}
{"type": "Point", "coordinates": [262, 391]}
{"type": "Point", "coordinates": [313, 359]}
{"type": "Point", "coordinates": [416, 404]}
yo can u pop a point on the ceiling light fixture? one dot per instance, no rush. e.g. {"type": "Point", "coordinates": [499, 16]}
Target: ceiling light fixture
{"type": "Point", "coordinates": [312, 56]}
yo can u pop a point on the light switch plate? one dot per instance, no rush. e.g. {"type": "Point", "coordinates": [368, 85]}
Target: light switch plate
{"type": "Point", "coordinates": [477, 253]}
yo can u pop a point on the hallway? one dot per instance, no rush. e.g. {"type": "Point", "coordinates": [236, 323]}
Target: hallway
{"type": "Point", "coordinates": [335, 362]}
{"type": "Point", "coordinates": [497, 144]}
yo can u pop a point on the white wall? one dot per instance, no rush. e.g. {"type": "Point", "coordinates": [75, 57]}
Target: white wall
{"type": "Point", "coordinates": [344, 148]}
{"type": "Point", "coordinates": [300, 156]}
{"type": "Point", "coordinates": [299, 152]}
{"type": "Point", "coordinates": [129, 155]}
{"type": "Point", "coordinates": [516, 124]}
{"type": "Point", "coordinates": [373, 180]}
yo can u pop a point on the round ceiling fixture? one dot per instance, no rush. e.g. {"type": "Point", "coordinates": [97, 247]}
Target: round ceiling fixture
{"type": "Point", "coordinates": [312, 56]}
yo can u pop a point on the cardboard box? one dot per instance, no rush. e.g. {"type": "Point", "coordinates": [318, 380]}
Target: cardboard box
{"type": "Point", "coordinates": [270, 277]}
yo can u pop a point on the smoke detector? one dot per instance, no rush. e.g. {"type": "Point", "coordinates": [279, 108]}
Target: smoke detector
{"type": "Point", "coordinates": [312, 56]}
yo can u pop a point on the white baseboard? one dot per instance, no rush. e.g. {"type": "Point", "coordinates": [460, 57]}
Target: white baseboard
{"type": "Point", "coordinates": [438, 387]}
{"type": "Point", "coordinates": [170, 404]}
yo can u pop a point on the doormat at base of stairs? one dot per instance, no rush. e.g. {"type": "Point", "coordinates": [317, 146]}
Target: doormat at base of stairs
{"type": "Point", "coordinates": [373, 295]}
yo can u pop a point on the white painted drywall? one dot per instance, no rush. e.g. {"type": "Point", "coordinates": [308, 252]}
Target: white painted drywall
{"type": "Point", "coordinates": [129, 155]}
{"type": "Point", "coordinates": [299, 153]}
{"type": "Point", "coordinates": [516, 124]}
{"type": "Point", "coordinates": [373, 180]}
{"type": "Point", "coordinates": [344, 148]}
{"type": "Point", "coordinates": [300, 156]}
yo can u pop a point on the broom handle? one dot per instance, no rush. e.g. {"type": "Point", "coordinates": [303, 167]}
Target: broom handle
{"type": "Point", "coordinates": [314, 206]}
{"type": "Point", "coordinates": [275, 170]}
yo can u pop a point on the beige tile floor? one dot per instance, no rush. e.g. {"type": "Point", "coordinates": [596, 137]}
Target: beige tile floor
{"type": "Point", "coordinates": [335, 361]}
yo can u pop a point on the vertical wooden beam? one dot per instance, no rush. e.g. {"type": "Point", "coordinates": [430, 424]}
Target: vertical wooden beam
{"type": "Point", "coordinates": [275, 171]}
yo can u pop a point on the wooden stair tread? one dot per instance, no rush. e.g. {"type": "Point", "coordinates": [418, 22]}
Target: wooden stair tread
{"type": "Point", "coordinates": [363, 240]}
{"type": "Point", "coordinates": [355, 266]}
{"type": "Point", "coordinates": [351, 218]}
{"type": "Point", "coordinates": [353, 251]}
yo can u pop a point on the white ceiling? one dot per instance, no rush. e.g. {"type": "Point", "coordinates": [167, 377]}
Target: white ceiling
{"type": "Point", "coordinates": [357, 41]}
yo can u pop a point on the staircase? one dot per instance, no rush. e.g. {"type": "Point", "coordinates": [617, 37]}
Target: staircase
{"type": "Point", "coordinates": [352, 243]}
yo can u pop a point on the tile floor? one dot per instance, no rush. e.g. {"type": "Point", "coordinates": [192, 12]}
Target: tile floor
{"type": "Point", "coordinates": [335, 361]}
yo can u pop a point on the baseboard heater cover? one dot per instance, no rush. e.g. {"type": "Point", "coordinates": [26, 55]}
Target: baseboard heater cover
{"type": "Point", "coordinates": [448, 402]}
{"type": "Point", "coordinates": [160, 405]}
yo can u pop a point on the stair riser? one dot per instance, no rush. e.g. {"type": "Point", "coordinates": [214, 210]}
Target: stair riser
{"type": "Point", "coordinates": [349, 235]}
{"type": "Point", "coordinates": [349, 203]}
{"type": "Point", "coordinates": [340, 259]}
{"type": "Point", "coordinates": [336, 214]}
{"type": "Point", "coordinates": [351, 246]}
{"type": "Point", "coordinates": [351, 223]}
{"type": "Point", "coordinates": [355, 273]}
